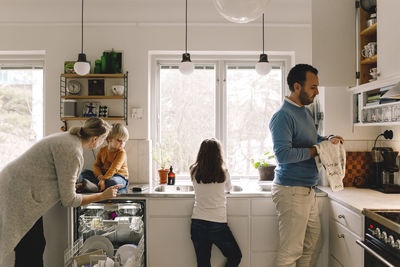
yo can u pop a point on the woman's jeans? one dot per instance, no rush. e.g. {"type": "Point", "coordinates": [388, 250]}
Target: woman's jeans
{"type": "Point", "coordinates": [29, 251]}
{"type": "Point", "coordinates": [116, 179]}
{"type": "Point", "coordinates": [206, 233]}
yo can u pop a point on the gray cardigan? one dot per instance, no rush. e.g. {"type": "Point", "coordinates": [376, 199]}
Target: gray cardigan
{"type": "Point", "coordinates": [36, 181]}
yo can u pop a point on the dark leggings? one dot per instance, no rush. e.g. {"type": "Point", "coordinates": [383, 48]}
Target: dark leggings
{"type": "Point", "coordinates": [29, 251]}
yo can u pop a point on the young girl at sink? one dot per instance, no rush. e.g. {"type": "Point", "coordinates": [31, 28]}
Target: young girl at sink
{"type": "Point", "coordinates": [209, 221]}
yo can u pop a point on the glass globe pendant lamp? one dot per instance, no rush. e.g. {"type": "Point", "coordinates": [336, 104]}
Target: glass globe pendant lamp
{"type": "Point", "coordinates": [263, 67]}
{"type": "Point", "coordinates": [186, 67]}
{"type": "Point", "coordinates": [82, 67]}
{"type": "Point", "coordinates": [241, 11]}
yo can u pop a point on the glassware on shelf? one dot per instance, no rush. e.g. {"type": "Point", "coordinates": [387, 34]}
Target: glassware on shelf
{"type": "Point", "coordinates": [387, 114]}
{"type": "Point", "coordinates": [378, 114]}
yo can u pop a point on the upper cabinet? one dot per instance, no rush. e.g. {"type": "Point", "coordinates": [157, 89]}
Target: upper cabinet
{"type": "Point", "coordinates": [379, 66]}
{"type": "Point", "coordinates": [388, 38]}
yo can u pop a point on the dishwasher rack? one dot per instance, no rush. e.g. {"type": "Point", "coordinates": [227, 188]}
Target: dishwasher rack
{"type": "Point", "coordinates": [120, 221]}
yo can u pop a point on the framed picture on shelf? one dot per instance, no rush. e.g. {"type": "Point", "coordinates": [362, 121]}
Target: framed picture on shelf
{"type": "Point", "coordinates": [90, 109]}
{"type": "Point", "coordinates": [96, 86]}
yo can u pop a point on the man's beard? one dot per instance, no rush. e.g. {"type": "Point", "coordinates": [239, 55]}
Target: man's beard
{"type": "Point", "coordinates": [304, 98]}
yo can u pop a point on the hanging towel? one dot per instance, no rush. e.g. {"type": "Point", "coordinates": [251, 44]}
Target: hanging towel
{"type": "Point", "coordinates": [333, 158]}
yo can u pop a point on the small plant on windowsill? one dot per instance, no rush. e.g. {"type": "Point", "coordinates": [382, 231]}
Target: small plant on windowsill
{"type": "Point", "coordinates": [161, 155]}
{"type": "Point", "coordinates": [265, 166]}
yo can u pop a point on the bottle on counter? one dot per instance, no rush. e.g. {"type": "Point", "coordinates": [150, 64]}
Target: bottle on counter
{"type": "Point", "coordinates": [171, 176]}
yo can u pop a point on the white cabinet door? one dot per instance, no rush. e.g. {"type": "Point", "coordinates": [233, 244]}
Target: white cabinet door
{"type": "Point", "coordinates": [343, 246]}
{"type": "Point", "coordinates": [333, 262]}
{"type": "Point", "coordinates": [388, 38]}
{"type": "Point", "coordinates": [168, 232]}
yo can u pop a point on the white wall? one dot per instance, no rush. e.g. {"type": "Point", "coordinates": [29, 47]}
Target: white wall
{"type": "Point", "coordinates": [53, 26]}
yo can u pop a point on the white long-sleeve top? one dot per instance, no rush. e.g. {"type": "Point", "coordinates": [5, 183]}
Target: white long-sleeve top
{"type": "Point", "coordinates": [210, 200]}
{"type": "Point", "coordinates": [33, 183]}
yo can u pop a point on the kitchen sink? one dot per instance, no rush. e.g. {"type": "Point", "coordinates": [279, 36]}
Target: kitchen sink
{"type": "Point", "coordinates": [264, 187]}
{"type": "Point", "coordinates": [236, 188]}
{"type": "Point", "coordinates": [174, 188]}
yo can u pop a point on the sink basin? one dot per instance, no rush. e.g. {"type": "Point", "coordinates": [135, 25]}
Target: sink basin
{"type": "Point", "coordinates": [174, 188]}
{"type": "Point", "coordinates": [236, 188]}
{"type": "Point", "coordinates": [264, 187]}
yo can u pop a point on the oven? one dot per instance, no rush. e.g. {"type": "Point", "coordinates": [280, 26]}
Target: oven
{"type": "Point", "coordinates": [381, 238]}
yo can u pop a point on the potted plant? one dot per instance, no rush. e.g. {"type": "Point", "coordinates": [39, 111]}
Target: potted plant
{"type": "Point", "coordinates": [162, 157]}
{"type": "Point", "coordinates": [265, 166]}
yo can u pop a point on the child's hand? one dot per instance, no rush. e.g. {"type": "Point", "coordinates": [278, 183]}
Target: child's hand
{"type": "Point", "coordinates": [111, 192]}
{"type": "Point", "coordinates": [102, 185]}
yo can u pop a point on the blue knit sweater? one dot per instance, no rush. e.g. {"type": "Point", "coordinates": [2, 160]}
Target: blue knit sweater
{"type": "Point", "coordinates": [293, 133]}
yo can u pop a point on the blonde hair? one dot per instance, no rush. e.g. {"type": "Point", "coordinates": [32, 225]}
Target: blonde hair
{"type": "Point", "coordinates": [118, 131]}
{"type": "Point", "coordinates": [92, 127]}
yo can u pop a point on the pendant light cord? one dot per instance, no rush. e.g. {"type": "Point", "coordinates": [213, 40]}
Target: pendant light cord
{"type": "Point", "coordinates": [263, 33]}
{"type": "Point", "coordinates": [185, 28]}
{"type": "Point", "coordinates": [82, 29]}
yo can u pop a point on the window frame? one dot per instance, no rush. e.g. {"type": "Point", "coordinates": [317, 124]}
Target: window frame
{"type": "Point", "coordinates": [283, 60]}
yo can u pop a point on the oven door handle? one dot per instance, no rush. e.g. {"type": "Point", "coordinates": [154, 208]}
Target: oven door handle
{"type": "Point", "coordinates": [373, 253]}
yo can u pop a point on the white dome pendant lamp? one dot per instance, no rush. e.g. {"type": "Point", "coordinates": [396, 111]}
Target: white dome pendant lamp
{"type": "Point", "coordinates": [82, 67]}
{"type": "Point", "coordinates": [263, 67]}
{"type": "Point", "coordinates": [241, 11]}
{"type": "Point", "coordinates": [186, 67]}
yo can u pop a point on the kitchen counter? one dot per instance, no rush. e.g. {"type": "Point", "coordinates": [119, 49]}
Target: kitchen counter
{"type": "Point", "coordinates": [249, 191]}
{"type": "Point", "coordinates": [358, 199]}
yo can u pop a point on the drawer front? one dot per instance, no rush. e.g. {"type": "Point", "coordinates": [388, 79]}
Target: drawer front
{"type": "Point", "coordinates": [170, 207]}
{"type": "Point", "coordinates": [343, 246]}
{"type": "Point", "coordinates": [346, 217]}
{"type": "Point", "coordinates": [333, 262]}
{"type": "Point", "coordinates": [264, 206]}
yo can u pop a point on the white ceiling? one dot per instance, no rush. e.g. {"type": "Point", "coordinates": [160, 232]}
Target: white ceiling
{"type": "Point", "coordinates": [141, 11]}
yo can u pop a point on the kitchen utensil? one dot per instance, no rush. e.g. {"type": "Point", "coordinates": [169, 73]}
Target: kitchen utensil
{"type": "Point", "coordinates": [98, 242]}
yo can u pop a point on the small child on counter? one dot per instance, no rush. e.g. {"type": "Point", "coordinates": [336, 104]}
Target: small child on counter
{"type": "Point", "coordinates": [110, 167]}
{"type": "Point", "coordinates": [209, 221]}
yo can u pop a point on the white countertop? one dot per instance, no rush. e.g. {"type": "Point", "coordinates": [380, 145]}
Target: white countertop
{"type": "Point", "coordinates": [360, 198]}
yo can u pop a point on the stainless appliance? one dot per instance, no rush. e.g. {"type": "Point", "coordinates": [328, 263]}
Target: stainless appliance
{"type": "Point", "coordinates": [385, 170]}
{"type": "Point", "coordinates": [121, 221]}
{"type": "Point", "coordinates": [381, 238]}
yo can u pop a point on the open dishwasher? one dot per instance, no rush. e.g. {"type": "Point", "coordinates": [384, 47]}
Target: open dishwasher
{"type": "Point", "coordinates": [112, 231]}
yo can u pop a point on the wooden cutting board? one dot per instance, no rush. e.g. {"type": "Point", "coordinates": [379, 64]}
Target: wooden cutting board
{"type": "Point", "coordinates": [359, 169]}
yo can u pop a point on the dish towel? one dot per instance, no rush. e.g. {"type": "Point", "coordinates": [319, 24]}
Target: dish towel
{"type": "Point", "coordinates": [333, 158]}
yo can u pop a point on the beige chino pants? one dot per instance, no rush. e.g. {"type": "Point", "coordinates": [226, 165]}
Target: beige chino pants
{"type": "Point", "coordinates": [299, 225]}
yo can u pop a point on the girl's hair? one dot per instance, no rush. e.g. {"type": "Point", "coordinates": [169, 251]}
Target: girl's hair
{"type": "Point", "coordinates": [118, 131]}
{"type": "Point", "coordinates": [92, 127]}
{"type": "Point", "coordinates": [209, 166]}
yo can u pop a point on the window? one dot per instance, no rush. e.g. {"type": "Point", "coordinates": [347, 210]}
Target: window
{"type": "Point", "coordinates": [225, 99]}
{"type": "Point", "coordinates": [21, 109]}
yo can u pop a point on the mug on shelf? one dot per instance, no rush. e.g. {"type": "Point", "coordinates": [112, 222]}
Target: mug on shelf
{"type": "Point", "coordinates": [374, 73]}
{"type": "Point", "coordinates": [369, 50]}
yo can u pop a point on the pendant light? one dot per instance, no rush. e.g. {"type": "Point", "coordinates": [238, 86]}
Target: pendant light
{"type": "Point", "coordinates": [82, 67]}
{"type": "Point", "coordinates": [263, 67]}
{"type": "Point", "coordinates": [186, 67]}
{"type": "Point", "coordinates": [241, 11]}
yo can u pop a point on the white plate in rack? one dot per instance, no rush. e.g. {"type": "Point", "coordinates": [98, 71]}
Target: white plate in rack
{"type": "Point", "coordinates": [125, 252]}
{"type": "Point", "coordinates": [98, 242]}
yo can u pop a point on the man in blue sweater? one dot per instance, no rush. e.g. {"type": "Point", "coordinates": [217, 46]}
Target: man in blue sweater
{"type": "Point", "coordinates": [293, 191]}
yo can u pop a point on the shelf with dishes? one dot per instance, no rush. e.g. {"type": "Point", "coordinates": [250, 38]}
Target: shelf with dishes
{"type": "Point", "coordinates": [369, 30]}
{"type": "Point", "coordinates": [93, 95]}
{"type": "Point", "coordinates": [377, 103]}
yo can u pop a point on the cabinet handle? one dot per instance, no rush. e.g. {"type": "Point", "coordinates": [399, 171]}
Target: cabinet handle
{"type": "Point", "coordinates": [341, 216]}
{"type": "Point", "coordinates": [340, 236]}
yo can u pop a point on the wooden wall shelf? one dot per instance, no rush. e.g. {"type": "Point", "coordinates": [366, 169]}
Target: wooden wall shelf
{"type": "Point", "coordinates": [85, 118]}
{"type": "Point", "coordinates": [370, 60]}
{"type": "Point", "coordinates": [114, 75]}
{"type": "Point", "coordinates": [92, 97]}
{"type": "Point", "coordinates": [369, 31]}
